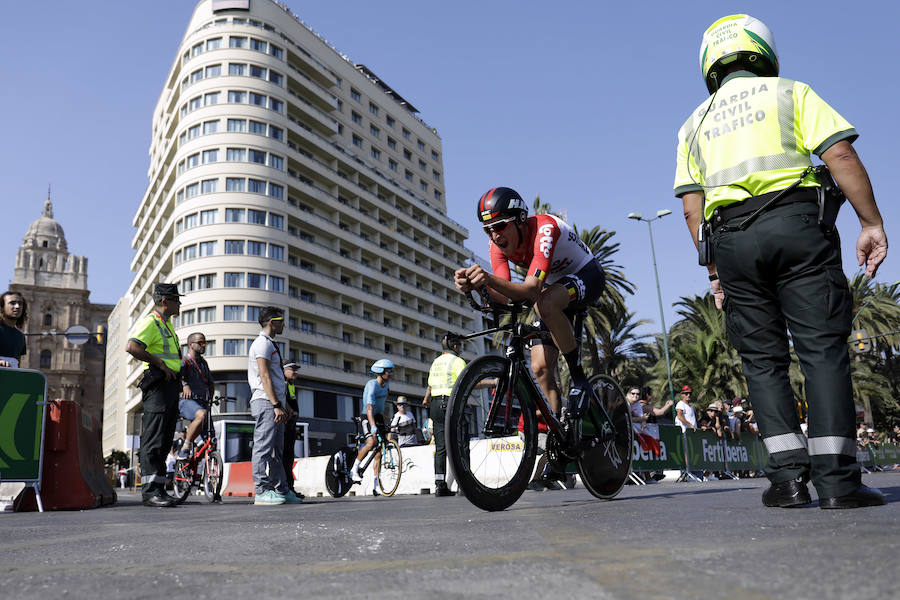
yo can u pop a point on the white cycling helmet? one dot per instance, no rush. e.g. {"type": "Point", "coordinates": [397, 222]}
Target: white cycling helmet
{"type": "Point", "coordinates": [382, 365]}
{"type": "Point", "coordinates": [737, 39]}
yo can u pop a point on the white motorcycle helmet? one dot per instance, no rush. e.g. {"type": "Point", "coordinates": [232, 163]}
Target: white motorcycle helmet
{"type": "Point", "coordinates": [737, 39]}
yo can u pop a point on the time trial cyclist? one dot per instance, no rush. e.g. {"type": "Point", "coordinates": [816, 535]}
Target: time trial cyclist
{"type": "Point", "coordinates": [562, 277]}
{"type": "Point", "coordinates": [374, 397]}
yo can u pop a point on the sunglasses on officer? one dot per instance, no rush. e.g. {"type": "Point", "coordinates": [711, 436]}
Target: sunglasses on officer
{"type": "Point", "coordinates": [498, 226]}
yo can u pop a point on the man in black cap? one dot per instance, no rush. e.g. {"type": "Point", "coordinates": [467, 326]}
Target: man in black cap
{"type": "Point", "coordinates": [291, 370]}
{"type": "Point", "coordinates": [153, 341]}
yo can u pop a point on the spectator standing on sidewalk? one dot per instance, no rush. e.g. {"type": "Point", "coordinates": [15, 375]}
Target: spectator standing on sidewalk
{"type": "Point", "coordinates": [266, 379]}
{"type": "Point", "coordinates": [684, 412]}
{"type": "Point", "coordinates": [405, 423]}
{"type": "Point", "coordinates": [13, 313]}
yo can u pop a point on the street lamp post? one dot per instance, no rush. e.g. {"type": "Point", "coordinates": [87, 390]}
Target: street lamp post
{"type": "Point", "coordinates": [659, 215]}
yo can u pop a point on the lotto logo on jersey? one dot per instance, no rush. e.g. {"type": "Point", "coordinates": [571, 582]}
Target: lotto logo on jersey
{"type": "Point", "coordinates": [546, 240]}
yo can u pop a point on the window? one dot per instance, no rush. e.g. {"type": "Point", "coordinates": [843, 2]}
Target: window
{"type": "Point", "coordinates": [206, 281]}
{"type": "Point", "coordinates": [234, 215]}
{"type": "Point", "coordinates": [435, 175]}
{"type": "Point", "coordinates": [276, 284]}
{"type": "Point", "coordinates": [234, 247]}
{"type": "Point", "coordinates": [376, 153]}
{"type": "Point", "coordinates": [210, 127]}
{"type": "Point", "coordinates": [392, 143]}
{"type": "Point", "coordinates": [190, 252]}
{"type": "Point", "coordinates": [276, 105]}
{"type": "Point", "coordinates": [238, 125]}
{"type": "Point", "coordinates": [234, 280]}
{"type": "Point", "coordinates": [355, 95]}
{"type": "Point", "coordinates": [392, 164]}
{"type": "Point", "coordinates": [420, 145]}
{"type": "Point", "coordinates": [193, 160]}
{"type": "Point", "coordinates": [208, 248]}
{"type": "Point", "coordinates": [187, 318]}
{"type": "Point", "coordinates": [209, 186]}
{"type": "Point", "coordinates": [210, 348]}
{"type": "Point", "coordinates": [187, 285]}
{"type": "Point", "coordinates": [437, 195]}
{"type": "Point", "coordinates": [257, 156]}
{"type": "Point", "coordinates": [307, 296]}
{"type": "Point", "coordinates": [233, 312]}
{"type": "Point", "coordinates": [357, 118]}
{"type": "Point", "coordinates": [196, 75]}
{"type": "Point", "coordinates": [193, 132]}
{"type": "Point", "coordinates": [237, 42]}
{"type": "Point", "coordinates": [434, 155]}
{"type": "Point", "coordinates": [257, 127]}
{"type": "Point", "coordinates": [276, 191]}
{"type": "Point", "coordinates": [276, 162]}
{"type": "Point", "coordinates": [357, 141]}
{"type": "Point", "coordinates": [389, 120]}
{"type": "Point", "coordinates": [235, 155]}
{"type": "Point", "coordinates": [206, 314]}
{"type": "Point", "coordinates": [196, 103]}
{"type": "Point", "coordinates": [406, 134]}
{"type": "Point", "coordinates": [423, 186]}
{"type": "Point", "coordinates": [307, 358]}
{"type": "Point", "coordinates": [307, 327]}
{"type": "Point", "coordinates": [256, 71]}
{"type": "Point", "coordinates": [276, 78]}
{"type": "Point", "coordinates": [256, 248]}
{"type": "Point", "coordinates": [307, 266]}
{"type": "Point", "coordinates": [255, 186]}
{"type": "Point", "coordinates": [374, 131]}
{"type": "Point", "coordinates": [46, 359]}
{"type": "Point", "coordinates": [190, 221]}
{"type": "Point", "coordinates": [210, 156]}
{"type": "Point", "coordinates": [192, 190]}
{"type": "Point", "coordinates": [408, 175]}
{"type": "Point", "coordinates": [177, 257]}
{"type": "Point", "coordinates": [276, 221]}
{"type": "Point", "coordinates": [237, 97]}
{"type": "Point", "coordinates": [257, 217]}
{"type": "Point", "coordinates": [256, 280]}
{"type": "Point", "coordinates": [253, 313]}
{"type": "Point", "coordinates": [373, 109]}
{"type": "Point", "coordinates": [276, 252]}
{"type": "Point", "coordinates": [233, 347]}
{"type": "Point", "coordinates": [237, 69]}
{"type": "Point", "coordinates": [276, 51]}
{"type": "Point", "coordinates": [213, 71]}
{"type": "Point", "coordinates": [276, 132]}
{"type": "Point", "coordinates": [407, 154]}
{"type": "Point", "coordinates": [208, 217]}
{"type": "Point", "coordinates": [234, 184]}
{"type": "Point", "coordinates": [258, 45]}
{"type": "Point", "coordinates": [421, 164]}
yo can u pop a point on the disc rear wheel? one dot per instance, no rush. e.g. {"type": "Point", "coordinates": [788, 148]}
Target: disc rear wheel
{"type": "Point", "coordinates": [492, 461]}
{"type": "Point", "coordinates": [337, 473]}
{"type": "Point", "coordinates": [605, 459]}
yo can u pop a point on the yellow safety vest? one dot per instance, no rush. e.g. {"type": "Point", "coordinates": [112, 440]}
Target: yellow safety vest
{"type": "Point", "coordinates": [158, 338]}
{"type": "Point", "coordinates": [443, 373]}
{"type": "Point", "coordinates": [752, 137]}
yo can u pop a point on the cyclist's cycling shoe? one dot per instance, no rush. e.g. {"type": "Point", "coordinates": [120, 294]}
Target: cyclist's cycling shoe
{"type": "Point", "coordinates": [376, 493]}
{"type": "Point", "coordinates": [355, 476]}
{"type": "Point", "coordinates": [578, 401]}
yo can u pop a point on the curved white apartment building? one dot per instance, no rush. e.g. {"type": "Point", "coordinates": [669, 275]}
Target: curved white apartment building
{"type": "Point", "coordinates": [281, 173]}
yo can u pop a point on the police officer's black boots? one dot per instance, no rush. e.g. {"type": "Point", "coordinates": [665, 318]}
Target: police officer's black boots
{"type": "Point", "coordinates": [787, 494]}
{"type": "Point", "coordinates": [441, 489]}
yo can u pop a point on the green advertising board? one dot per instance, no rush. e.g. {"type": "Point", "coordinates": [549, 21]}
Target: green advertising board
{"type": "Point", "coordinates": [22, 394]}
{"type": "Point", "coordinates": [705, 452]}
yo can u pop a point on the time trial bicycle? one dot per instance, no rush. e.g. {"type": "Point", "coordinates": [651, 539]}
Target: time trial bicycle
{"type": "Point", "coordinates": [204, 466]}
{"type": "Point", "coordinates": [338, 480]}
{"type": "Point", "coordinates": [493, 461]}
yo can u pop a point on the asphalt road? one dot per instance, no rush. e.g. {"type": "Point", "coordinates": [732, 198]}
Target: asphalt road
{"type": "Point", "coordinates": [669, 540]}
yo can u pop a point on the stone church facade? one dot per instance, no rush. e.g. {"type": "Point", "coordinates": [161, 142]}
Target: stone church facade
{"type": "Point", "coordinates": [54, 283]}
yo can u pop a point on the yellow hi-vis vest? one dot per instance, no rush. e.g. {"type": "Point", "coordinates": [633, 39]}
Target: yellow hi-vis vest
{"type": "Point", "coordinates": [159, 340]}
{"type": "Point", "coordinates": [754, 136]}
{"type": "Point", "coordinates": [443, 373]}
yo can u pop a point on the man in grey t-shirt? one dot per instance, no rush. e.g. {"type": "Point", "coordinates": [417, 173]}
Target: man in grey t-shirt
{"type": "Point", "coordinates": [266, 379]}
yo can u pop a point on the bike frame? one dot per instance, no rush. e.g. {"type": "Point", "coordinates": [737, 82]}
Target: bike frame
{"type": "Point", "coordinates": [209, 439]}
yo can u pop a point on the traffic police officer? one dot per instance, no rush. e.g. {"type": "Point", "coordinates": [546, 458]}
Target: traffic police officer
{"type": "Point", "coordinates": [153, 341]}
{"type": "Point", "coordinates": [443, 374]}
{"type": "Point", "coordinates": [743, 166]}
{"type": "Point", "coordinates": [291, 371]}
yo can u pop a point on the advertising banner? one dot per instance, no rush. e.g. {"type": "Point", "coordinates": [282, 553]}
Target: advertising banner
{"type": "Point", "coordinates": [22, 395]}
{"type": "Point", "coordinates": [704, 451]}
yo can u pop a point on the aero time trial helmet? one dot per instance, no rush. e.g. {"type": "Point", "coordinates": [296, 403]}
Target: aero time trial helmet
{"type": "Point", "coordinates": [501, 202]}
{"type": "Point", "coordinates": [737, 40]}
{"type": "Point", "coordinates": [382, 365]}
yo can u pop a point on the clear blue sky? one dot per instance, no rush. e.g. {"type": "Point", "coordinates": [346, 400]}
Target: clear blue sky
{"type": "Point", "coordinates": [577, 101]}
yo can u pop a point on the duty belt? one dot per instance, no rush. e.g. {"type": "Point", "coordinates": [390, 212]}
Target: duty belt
{"type": "Point", "coordinates": [724, 214]}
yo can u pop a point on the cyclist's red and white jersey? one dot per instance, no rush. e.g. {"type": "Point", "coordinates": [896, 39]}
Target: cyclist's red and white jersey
{"type": "Point", "coordinates": [551, 250]}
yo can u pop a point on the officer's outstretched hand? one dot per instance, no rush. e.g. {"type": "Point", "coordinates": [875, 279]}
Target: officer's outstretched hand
{"type": "Point", "coordinates": [871, 248]}
{"type": "Point", "coordinates": [718, 293]}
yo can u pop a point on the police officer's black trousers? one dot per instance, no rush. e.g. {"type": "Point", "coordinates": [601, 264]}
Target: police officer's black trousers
{"type": "Point", "coordinates": [287, 452]}
{"type": "Point", "coordinates": [157, 433]}
{"type": "Point", "coordinates": [438, 412]}
{"type": "Point", "coordinates": [782, 273]}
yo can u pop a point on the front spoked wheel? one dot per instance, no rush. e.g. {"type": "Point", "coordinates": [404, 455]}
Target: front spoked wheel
{"type": "Point", "coordinates": [605, 459]}
{"type": "Point", "coordinates": [337, 472]}
{"type": "Point", "coordinates": [183, 480]}
{"type": "Point", "coordinates": [212, 476]}
{"type": "Point", "coordinates": [391, 468]}
{"type": "Point", "coordinates": [492, 463]}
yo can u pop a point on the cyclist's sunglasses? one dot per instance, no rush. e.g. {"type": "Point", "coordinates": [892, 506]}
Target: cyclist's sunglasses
{"type": "Point", "coordinates": [498, 227]}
